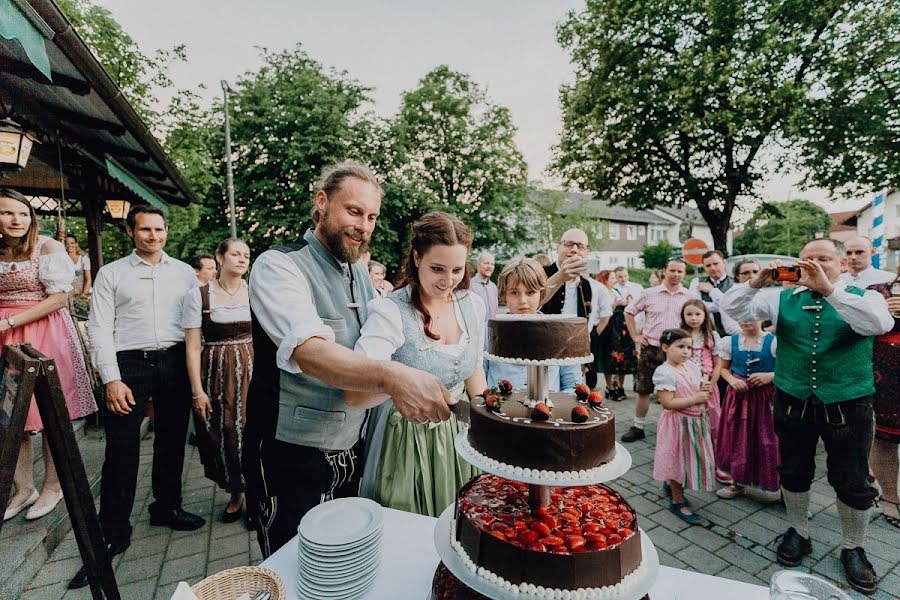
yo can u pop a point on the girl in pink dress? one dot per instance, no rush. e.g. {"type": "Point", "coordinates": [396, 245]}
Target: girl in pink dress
{"type": "Point", "coordinates": [35, 278]}
{"type": "Point", "coordinates": [684, 456]}
{"type": "Point", "coordinates": [695, 319]}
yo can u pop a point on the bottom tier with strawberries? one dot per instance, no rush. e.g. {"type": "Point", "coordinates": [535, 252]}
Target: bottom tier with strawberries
{"type": "Point", "coordinates": [586, 538]}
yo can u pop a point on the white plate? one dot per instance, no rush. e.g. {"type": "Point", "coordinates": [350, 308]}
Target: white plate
{"type": "Point", "coordinates": [337, 548]}
{"type": "Point", "coordinates": [637, 587]}
{"type": "Point", "coordinates": [313, 565]}
{"type": "Point", "coordinates": [618, 466]}
{"type": "Point", "coordinates": [306, 595]}
{"type": "Point", "coordinates": [317, 589]}
{"type": "Point", "coordinates": [317, 551]}
{"type": "Point", "coordinates": [341, 521]}
{"type": "Point", "coordinates": [346, 574]}
{"type": "Point", "coordinates": [311, 555]}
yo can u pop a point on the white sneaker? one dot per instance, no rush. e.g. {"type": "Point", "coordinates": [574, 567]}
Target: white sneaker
{"type": "Point", "coordinates": [39, 510]}
{"type": "Point", "coordinates": [14, 510]}
{"type": "Point", "coordinates": [729, 492]}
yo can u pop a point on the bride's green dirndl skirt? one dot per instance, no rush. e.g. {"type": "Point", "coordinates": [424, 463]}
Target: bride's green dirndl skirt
{"type": "Point", "coordinates": [414, 467]}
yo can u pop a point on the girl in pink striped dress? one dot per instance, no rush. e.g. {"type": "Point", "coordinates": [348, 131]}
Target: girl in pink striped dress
{"type": "Point", "coordinates": [684, 456]}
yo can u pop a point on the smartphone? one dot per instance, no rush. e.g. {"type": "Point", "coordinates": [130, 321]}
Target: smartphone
{"type": "Point", "coordinates": [786, 274]}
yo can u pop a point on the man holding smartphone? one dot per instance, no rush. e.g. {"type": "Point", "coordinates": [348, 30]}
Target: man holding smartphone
{"type": "Point", "coordinates": [823, 389]}
{"type": "Point", "coordinates": [582, 296]}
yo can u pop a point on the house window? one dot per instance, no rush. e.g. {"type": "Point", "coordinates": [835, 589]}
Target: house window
{"type": "Point", "coordinates": [631, 232]}
{"type": "Point", "coordinates": [598, 232]}
{"type": "Point", "coordinates": [613, 231]}
{"type": "Point", "coordinates": [632, 262]}
{"type": "Point", "coordinates": [656, 234]}
{"type": "Point", "coordinates": [641, 230]}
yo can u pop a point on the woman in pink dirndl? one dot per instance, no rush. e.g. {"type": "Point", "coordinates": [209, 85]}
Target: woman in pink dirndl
{"type": "Point", "coordinates": [35, 278]}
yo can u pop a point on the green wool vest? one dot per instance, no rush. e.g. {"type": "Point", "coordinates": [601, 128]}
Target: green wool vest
{"type": "Point", "coordinates": [818, 353]}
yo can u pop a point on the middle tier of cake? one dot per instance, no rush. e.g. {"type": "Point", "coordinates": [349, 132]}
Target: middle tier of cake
{"type": "Point", "coordinates": [511, 436]}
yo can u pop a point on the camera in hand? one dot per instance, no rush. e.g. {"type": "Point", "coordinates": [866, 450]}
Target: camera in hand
{"type": "Point", "coordinates": [786, 274]}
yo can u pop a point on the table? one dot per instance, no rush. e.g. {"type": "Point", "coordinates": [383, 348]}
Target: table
{"type": "Point", "coordinates": [410, 559]}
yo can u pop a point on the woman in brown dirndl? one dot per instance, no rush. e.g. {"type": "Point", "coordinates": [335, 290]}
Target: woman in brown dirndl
{"type": "Point", "coordinates": [220, 366]}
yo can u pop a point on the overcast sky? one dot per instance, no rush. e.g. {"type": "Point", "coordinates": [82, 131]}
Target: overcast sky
{"type": "Point", "coordinates": [508, 46]}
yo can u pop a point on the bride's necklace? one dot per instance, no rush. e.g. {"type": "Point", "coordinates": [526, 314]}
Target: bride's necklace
{"type": "Point", "coordinates": [226, 290]}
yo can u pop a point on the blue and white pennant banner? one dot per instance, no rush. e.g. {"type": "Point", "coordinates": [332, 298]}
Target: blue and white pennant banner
{"type": "Point", "coordinates": [878, 228]}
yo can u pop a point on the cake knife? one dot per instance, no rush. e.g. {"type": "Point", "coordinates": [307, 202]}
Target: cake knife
{"type": "Point", "coordinates": [461, 409]}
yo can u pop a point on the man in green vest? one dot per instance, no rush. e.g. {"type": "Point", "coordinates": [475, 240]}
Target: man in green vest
{"type": "Point", "coordinates": [824, 384]}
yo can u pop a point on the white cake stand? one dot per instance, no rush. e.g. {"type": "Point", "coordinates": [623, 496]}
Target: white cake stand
{"type": "Point", "coordinates": [614, 469]}
{"type": "Point", "coordinates": [632, 588]}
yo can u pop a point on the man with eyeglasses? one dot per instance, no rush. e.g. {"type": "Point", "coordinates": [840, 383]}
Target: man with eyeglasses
{"type": "Point", "coordinates": [582, 296]}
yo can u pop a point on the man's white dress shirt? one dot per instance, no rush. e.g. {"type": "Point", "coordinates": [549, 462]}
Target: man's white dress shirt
{"type": "Point", "coordinates": [866, 315]}
{"type": "Point", "coordinates": [136, 306]}
{"type": "Point", "coordinates": [867, 277]}
{"type": "Point", "coordinates": [601, 303]}
{"type": "Point", "coordinates": [732, 327]}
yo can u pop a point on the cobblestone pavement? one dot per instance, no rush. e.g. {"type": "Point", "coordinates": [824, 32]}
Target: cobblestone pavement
{"type": "Point", "coordinates": [736, 540]}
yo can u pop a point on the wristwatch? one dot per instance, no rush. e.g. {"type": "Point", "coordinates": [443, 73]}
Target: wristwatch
{"type": "Point", "coordinates": [11, 322]}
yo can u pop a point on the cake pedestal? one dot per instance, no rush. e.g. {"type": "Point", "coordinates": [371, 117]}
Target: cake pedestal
{"type": "Point", "coordinates": [538, 385]}
{"type": "Point", "coordinates": [633, 587]}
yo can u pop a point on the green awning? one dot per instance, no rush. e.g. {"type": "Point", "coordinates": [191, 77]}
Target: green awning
{"type": "Point", "coordinates": [16, 26]}
{"type": "Point", "coordinates": [129, 181]}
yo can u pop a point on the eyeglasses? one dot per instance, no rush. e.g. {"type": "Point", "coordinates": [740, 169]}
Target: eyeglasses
{"type": "Point", "coordinates": [568, 244]}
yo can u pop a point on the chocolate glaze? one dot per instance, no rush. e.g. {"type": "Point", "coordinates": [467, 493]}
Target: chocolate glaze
{"type": "Point", "coordinates": [536, 337]}
{"type": "Point", "coordinates": [512, 438]}
{"type": "Point", "coordinates": [596, 568]}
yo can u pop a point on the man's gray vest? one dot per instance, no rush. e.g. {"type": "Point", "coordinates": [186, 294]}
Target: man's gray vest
{"type": "Point", "coordinates": [309, 411]}
{"type": "Point", "coordinates": [724, 286]}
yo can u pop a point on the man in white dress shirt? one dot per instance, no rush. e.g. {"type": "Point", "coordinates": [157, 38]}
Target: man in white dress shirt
{"type": "Point", "coordinates": [710, 290]}
{"type": "Point", "coordinates": [858, 253]}
{"type": "Point", "coordinates": [582, 296]}
{"type": "Point", "coordinates": [137, 345]}
{"type": "Point", "coordinates": [302, 443]}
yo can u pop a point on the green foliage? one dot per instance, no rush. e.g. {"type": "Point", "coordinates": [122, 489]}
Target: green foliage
{"type": "Point", "coordinates": [782, 228]}
{"type": "Point", "coordinates": [454, 150]}
{"type": "Point", "coordinates": [552, 212]}
{"type": "Point", "coordinates": [138, 75]}
{"type": "Point", "coordinates": [675, 100]}
{"type": "Point", "coordinates": [657, 255]}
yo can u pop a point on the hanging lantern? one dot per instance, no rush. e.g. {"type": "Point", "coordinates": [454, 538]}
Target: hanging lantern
{"type": "Point", "coordinates": [118, 209]}
{"type": "Point", "coordinates": [15, 146]}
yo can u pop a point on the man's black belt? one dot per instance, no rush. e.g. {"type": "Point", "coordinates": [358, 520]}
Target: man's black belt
{"type": "Point", "coordinates": [149, 353]}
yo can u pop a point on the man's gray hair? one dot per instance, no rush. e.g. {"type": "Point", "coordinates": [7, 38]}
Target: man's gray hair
{"type": "Point", "coordinates": [485, 254]}
{"type": "Point", "coordinates": [333, 178]}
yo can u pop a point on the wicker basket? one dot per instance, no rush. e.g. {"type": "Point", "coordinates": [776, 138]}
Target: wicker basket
{"type": "Point", "coordinates": [231, 583]}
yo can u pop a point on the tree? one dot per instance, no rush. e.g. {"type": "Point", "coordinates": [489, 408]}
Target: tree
{"type": "Point", "coordinates": [549, 213]}
{"type": "Point", "coordinates": [782, 228]}
{"type": "Point", "coordinates": [675, 101]}
{"type": "Point", "coordinates": [657, 255]}
{"type": "Point", "coordinates": [457, 150]}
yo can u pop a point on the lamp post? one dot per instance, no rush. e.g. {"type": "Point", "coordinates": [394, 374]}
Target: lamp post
{"type": "Point", "coordinates": [226, 89]}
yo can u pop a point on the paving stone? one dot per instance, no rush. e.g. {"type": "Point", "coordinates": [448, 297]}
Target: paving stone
{"type": "Point", "coordinates": [82, 594]}
{"type": "Point", "coordinates": [220, 530]}
{"type": "Point", "coordinates": [139, 589]}
{"type": "Point", "coordinates": [729, 513]}
{"type": "Point", "coordinates": [669, 521]}
{"type": "Point", "coordinates": [737, 574]}
{"type": "Point", "coordinates": [57, 571]}
{"type": "Point", "coordinates": [181, 535]}
{"type": "Point", "coordinates": [664, 539]}
{"type": "Point", "coordinates": [229, 546]}
{"type": "Point", "coordinates": [668, 560]}
{"type": "Point", "coordinates": [757, 533]}
{"type": "Point", "coordinates": [832, 522]}
{"type": "Point", "coordinates": [766, 552]}
{"type": "Point", "coordinates": [47, 592]}
{"type": "Point", "coordinates": [141, 568]}
{"type": "Point", "coordinates": [238, 560]}
{"type": "Point", "coordinates": [642, 506]}
{"type": "Point", "coordinates": [745, 559]}
{"type": "Point", "coordinates": [182, 569]}
{"type": "Point", "coordinates": [187, 546]}
{"type": "Point", "coordinates": [769, 521]}
{"type": "Point", "coordinates": [704, 538]}
{"type": "Point", "coordinates": [147, 546]}
{"type": "Point", "coordinates": [700, 560]}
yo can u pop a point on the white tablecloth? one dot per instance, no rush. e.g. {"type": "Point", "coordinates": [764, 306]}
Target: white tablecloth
{"type": "Point", "coordinates": [410, 559]}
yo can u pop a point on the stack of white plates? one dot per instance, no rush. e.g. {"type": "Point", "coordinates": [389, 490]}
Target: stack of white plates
{"type": "Point", "coordinates": [339, 549]}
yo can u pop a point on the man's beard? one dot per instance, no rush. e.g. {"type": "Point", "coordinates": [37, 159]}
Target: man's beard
{"type": "Point", "coordinates": [334, 239]}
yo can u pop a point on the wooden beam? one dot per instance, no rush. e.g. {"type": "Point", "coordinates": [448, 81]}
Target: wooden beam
{"type": "Point", "coordinates": [92, 207]}
{"type": "Point", "coordinates": [28, 71]}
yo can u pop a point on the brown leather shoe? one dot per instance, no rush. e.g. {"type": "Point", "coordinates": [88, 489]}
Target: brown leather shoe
{"type": "Point", "coordinates": [633, 434]}
{"type": "Point", "coordinates": [859, 571]}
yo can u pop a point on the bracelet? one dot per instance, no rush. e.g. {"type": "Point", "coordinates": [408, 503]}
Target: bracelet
{"type": "Point", "coordinates": [195, 396]}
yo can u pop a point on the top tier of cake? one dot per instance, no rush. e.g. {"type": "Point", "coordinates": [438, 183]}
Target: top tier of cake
{"type": "Point", "coordinates": [535, 339]}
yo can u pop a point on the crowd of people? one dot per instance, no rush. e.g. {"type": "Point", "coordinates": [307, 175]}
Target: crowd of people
{"type": "Point", "coordinates": [317, 378]}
